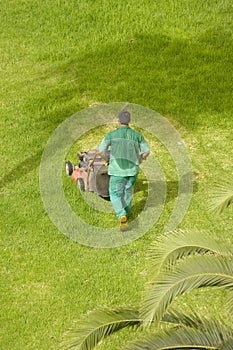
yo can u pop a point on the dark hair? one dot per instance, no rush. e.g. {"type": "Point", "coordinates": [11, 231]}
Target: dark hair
{"type": "Point", "coordinates": [124, 117]}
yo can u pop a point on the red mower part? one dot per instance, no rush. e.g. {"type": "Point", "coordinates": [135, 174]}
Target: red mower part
{"type": "Point", "coordinates": [80, 173]}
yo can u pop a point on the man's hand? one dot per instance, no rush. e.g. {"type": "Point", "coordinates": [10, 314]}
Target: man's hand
{"type": "Point", "coordinates": [144, 155]}
{"type": "Point", "coordinates": [103, 155]}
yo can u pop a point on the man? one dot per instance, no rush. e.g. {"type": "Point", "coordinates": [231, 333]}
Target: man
{"type": "Point", "coordinates": [127, 149]}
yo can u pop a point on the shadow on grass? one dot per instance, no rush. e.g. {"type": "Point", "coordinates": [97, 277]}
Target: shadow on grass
{"type": "Point", "coordinates": [182, 77]}
{"type": "Point", "coordinates": [22, 169]}
{"type": "Point", "coordinates": [171, 193]}
{"type": "Point", "coordinates": [178, 76]}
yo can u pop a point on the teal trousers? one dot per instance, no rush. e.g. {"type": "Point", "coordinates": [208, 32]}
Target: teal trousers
{"type": "Point", "coordinates": [121, 193]}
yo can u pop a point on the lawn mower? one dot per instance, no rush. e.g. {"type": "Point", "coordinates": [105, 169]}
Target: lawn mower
{"type": "Point", "coordinates": [91, 173]}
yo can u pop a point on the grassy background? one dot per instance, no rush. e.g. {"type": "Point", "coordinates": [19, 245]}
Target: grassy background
{"type": "Point", "coordinates": [58, 57]}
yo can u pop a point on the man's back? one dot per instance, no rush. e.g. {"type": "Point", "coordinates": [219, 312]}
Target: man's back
{"type": "Point", "coordinates": [126, 145]}
{"type": "Point", "coordinates": [127, 148]}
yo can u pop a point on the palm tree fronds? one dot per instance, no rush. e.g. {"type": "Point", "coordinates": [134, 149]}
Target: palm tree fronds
{"type": "Point", "coordinates": [228, 344]}
{"type": "Point", "coordinates": [97, 325]}
{"type": "Point", "coordinates": [210, 335]}
{"type": "Point", "coordinates": [192, 320]}
{"type": "Point", "coordinates": [230, 302]}
{"type": "Point", "coordinates": [179, 319]}
{"type": "Point", "coordinates": [192, 273]}
{"type": "Point", "coordinates": [222, 197]}
{"type": "Point", "coordinates": [169, 249]}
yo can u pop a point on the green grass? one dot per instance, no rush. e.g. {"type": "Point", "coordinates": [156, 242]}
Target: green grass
{"type": "Point", "coordinates": [58, 57]}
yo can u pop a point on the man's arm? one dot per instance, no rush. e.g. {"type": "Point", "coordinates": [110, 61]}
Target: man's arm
{"type": "Point", "coordinates": [144, 148]}
{"type": "Point", "coordinates": [103, 155]}
{"type": "Point", "coordinates": [144, 155]}
{"type": "Point", "coordinates": [103, 148]}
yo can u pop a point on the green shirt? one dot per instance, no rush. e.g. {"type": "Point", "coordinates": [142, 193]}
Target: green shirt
{"type": "Point", "coordinates": [126, 145]}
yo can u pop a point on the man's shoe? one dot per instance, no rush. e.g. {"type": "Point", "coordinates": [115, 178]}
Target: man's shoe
{"type": "Point", "coordinates": [123, 223]}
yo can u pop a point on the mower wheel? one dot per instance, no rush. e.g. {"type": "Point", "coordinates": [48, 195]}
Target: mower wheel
{"type": "Point", "coordinates": [69, 168]}
{"type": "Point", "coordinates": [81, 184]}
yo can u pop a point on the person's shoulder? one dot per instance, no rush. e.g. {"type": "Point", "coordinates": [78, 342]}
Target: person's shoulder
{"type": "Point", "coordinates": [111, 133]}
{"type": "Point", "coordinates": [136, 133]}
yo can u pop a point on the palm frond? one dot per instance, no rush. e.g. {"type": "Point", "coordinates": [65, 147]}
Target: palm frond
{"type": "Point", "coordinates": [97, 325]}
{"type": "Point", "coordinates": [180, 319]}
{"type": "Point", "coordinates": [193, 320]}
{"type": "Point", "coordinates": [211, 335]}
{"type": "Point", "coordinates": [230, 302]}
{"type": "Point", "coordinates": [222, 197]}
{"type": "Point", "coordinates": [192, 273]}
{"type": "Point", "coordinates": [167, 250]}
{"type": "Point", "coordinates": [228, 344]}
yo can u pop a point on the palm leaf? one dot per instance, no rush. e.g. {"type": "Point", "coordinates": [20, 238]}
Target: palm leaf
{"type": "Point", "coordinates": [179, 319]}
{"type": "Point", "coordinates": [194, 272]}
{"type": "Point", "coordinates": [167, 250]}
{"type": "Point", "coordinates": [209, 335]}
{"type": "Point", "coordinates": [97, 325]}
{"type": "Point", "coordinates": [192, 320]}
{"type": "Point", "coordinates": [228, 344]}
{"type": "Point", "coordinates": [222, 197]}
{"type": "Point", "coordinates": [230, 301]}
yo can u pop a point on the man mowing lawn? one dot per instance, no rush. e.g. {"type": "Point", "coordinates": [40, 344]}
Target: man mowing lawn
{"type": "Point", "coordinates": [127, 149]}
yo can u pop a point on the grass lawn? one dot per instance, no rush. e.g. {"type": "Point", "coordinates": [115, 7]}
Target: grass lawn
{"type": "Point", "coordinates": [58, 58]}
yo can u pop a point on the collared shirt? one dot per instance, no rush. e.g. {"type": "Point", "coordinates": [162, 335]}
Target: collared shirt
{"type": "Point", "coordinates": [126, 146]}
